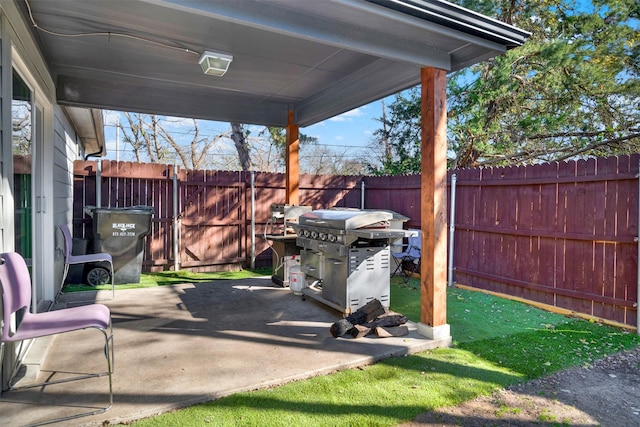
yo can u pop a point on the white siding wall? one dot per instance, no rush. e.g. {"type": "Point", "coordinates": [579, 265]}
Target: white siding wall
{"type": "Point", "coordinates": [65, 152]}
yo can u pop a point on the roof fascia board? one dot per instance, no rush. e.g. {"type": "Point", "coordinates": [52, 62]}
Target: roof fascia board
{"type": "Point", "coordinates": [90, 93]}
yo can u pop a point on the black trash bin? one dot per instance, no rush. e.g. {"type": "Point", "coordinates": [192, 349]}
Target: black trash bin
{"type": "Point", "coordinates": [120, 232]}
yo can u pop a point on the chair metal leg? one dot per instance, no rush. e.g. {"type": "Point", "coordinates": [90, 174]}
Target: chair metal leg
{"type": "Point", "coordinates": [409, 273]}
{"type": "Point", "coordinates": [109, 355]}
{"type": "Point", "coordinates": [406, 276]}
{"type": "Point", "coordinates": [113, 282]}
{"type": "Point", "coordinates": [415, 268]}
{"type": "Point", "coordinates": [398, 266]}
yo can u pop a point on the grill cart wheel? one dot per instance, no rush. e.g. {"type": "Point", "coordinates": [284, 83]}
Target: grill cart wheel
{"type": "Point", "coordinates": [98, 276]}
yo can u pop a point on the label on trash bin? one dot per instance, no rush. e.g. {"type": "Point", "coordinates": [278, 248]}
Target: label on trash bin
{"type": "Point", "coordinates": [123, 229]}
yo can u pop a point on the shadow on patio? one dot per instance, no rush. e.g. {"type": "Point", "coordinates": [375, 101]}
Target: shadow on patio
{"type": "Point", "coordinates": [179, 345]}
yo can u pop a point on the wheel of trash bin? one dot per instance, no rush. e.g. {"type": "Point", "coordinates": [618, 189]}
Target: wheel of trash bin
{"type": "Point", "coordinates": [98, 276]}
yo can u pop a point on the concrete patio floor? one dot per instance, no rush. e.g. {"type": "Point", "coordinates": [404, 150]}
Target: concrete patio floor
{"type": "Point", "coordinates": [180, 345]}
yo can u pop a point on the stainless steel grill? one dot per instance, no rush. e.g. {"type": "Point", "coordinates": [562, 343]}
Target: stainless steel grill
{"type": "Point", "coordinates": [345, 255]}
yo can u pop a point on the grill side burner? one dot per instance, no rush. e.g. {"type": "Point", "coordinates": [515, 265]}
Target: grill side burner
{"type": "Point", "coordinates": [347, 252]}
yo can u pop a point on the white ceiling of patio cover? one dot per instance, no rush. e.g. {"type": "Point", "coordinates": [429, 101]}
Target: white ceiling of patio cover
{"type": "Point", "coordinates": [318, 58]}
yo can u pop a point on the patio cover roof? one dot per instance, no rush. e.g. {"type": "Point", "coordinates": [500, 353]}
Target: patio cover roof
{"type": "Point", "coordinates": [315, 58]}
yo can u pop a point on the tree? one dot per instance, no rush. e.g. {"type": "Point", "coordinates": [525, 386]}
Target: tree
{"type": "Point", "coordinates": [318, 159]}
{"type": "Point", "coordinates": [242, 147]}
{"type": "Point", "coordinates": [271, 153]}
{"type": "Point", "coordinates": [314, 158]}
{"type": "Point", "coordinates": [572, 90]}
{"type": "Point", "coordinates": [163, 139]}
{"type": "Point", "coordinates": [151, 139]}
{"type": "Point", "coordinates": [21, 127]}
{"type": "Point", "coordinates": [399, 136]}
{"type": "Point", "coordinates": [168, 139]}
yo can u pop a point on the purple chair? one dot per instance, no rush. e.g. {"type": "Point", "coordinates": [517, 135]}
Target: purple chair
{"type": "Point", "coordinates": [97, 275]}
{"type": "Point", "coordinates": [20, 324]}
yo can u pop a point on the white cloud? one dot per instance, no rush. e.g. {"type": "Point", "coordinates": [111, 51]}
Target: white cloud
{"type": "Point", "coordinates": [348, 116]}
{"type": "Point", "coordinates": [356, 112]}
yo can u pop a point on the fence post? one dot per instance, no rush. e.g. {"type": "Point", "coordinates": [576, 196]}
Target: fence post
{"type": "Point", "coordinates": [253, 220]}
{"type": "Point", "coordinates": [176, 227]}
{"type": "Point", "coordinates": [638, 258]}
{"type": "Point", "coordinates": [452, 226]}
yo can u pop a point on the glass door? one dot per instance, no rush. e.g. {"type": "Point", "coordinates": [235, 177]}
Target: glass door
{"type": "Point", "coordinates": [22, 149]}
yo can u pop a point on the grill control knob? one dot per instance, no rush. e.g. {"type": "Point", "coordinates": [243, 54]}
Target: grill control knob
{"type": "Point", "coordinates": [314, 234]}
{"type": "Point", "coordinates": [323, 236]}
{"type": "Point", "coordinates": [305, 233]}
{"type": "Point", "coordinates": [332, 237]}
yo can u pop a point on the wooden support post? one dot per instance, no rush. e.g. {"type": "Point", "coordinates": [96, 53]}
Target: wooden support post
{"type": "Point", "coordinates": [292, 163]}
{"type": "Point", "coordinates": [433, 271]}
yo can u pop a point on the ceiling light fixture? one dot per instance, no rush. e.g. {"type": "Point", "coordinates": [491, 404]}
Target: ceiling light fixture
{"type": "Point", "coordinates": [215, 64]}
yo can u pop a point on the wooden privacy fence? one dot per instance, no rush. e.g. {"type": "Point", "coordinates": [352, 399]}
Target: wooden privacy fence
{"type": "Point", "coordinates": [563, 234]}
{"type": "Point", "coordinates": [209, 212]}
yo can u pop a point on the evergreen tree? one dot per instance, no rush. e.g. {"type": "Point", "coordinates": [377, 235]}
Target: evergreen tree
{"type": "Point", "coordinates": [572, 90]}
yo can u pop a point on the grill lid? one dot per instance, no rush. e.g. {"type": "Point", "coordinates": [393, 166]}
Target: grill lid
{"type": "Point", "coordinates": [345, 218]}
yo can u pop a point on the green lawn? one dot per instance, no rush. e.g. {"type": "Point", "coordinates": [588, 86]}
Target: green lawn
{"type": "Point", "coordinates": [164, 278]}
{"type": "Point", "coordinates": [497, 342]}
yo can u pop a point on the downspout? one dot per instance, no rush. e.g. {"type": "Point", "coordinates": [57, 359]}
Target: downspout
{"type": "Point", "coordinates": [96, 154]}
{"type": "Point", "coordinates": [362, 185]}
{"type": "Point", "coordinates": [118, 138]}
{"type": "Point", "coordinates": [176, 228]}
{"type": "Point", "coordinates": [452, 226]}
{"type": "Point", "coordinates": [253, 220]}
{"type": "Point", "coordinates": [98, 183]}
{"type": "Point", "coordinates": [98, 175]}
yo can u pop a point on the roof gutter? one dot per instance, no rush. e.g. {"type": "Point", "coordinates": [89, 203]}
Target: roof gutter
{"type": "Point", "coordinates": [89, 126]}
{"type": "Point", "coordinates": [460, 19]}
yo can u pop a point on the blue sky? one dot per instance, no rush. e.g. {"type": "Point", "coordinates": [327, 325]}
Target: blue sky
{"type": "Point", "coordinates": [353, 128]}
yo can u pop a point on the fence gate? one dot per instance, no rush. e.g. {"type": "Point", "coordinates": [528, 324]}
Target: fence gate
{"type": "Point", "coordinates": [212, 219]}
